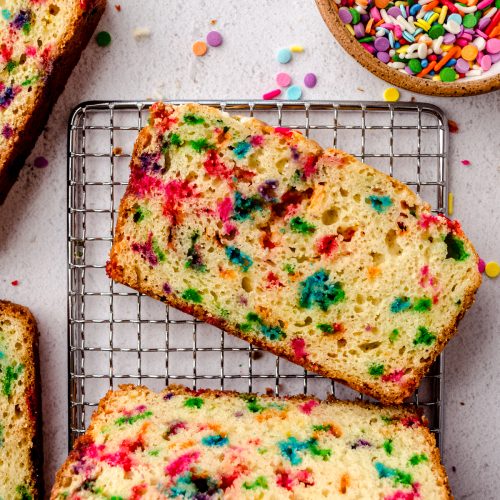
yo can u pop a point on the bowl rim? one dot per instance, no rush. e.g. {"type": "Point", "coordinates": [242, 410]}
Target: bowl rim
{"type": "Point", "coordinates": [329, 11]}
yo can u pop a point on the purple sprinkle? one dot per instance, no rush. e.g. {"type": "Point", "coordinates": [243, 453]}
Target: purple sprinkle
{"type": "Point", "coordinates": [461, 32]}
{"type": "Point", "coordinates": [483, 23]}
{"type": "Point", "coordinates": [167, 288]}
{"type": "Point", "coordinates": [345, 15]}
{"type": "Point", "coordinates": [7, 131]}
{"type": "Point", "coordinates": [482, 35]}
{"type": "Point", "coordinates": [310, 80]}
{"type": "Point", "coordinates": [365, 18]}
{"type": "Point", "coordinates": [394, 12]}
{"type": "Point", "coordinates": [382, 44]}
{"type": "Point", "coordinates": [214, 39]}
{"type": "Point", "coordinates": [21, 19]}
{"type": "Point", "coordinates": [359, 30]}
{"type": "Point", "coordinates": [469, 31]}
{"type": "Point", "coordinates": [168, 396]}
{"type": "Point", "coordinates": [462, 66]}
{"type": "Point", "coordinates": [41, 162]}
{"type": "Point", "coordinates": [360, 443]}
{"type": "Point", "coordinates": [449, 39]}
{"type": "Point", "coordinates": [495, 57]}
{"type": "Point", "coordinates": [409, 71]}
{"type": "Point", "coordinates": [267, 189]}
{"type": "Point", "coordinates": [238, 414]}
{"type": "Point", "coordinates": [384, 57]}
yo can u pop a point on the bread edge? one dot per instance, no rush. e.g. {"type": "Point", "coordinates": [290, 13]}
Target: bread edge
{"type": "Point", "coordinates": [73, 44]}
{"type": "Point", "coordinates": [401, 410]}
{"type": "Point", "coordinates": [31, 339]}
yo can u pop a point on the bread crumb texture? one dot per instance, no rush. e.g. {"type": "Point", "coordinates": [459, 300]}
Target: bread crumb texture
{"type": "Point", "coordinates": [17, 412]}
{"type": "Point", "coordinates": [32, 35]}
{"type": "Point", "coordinates": [304, 252]}
{"type": "Point", "coordinates": [209, 444]}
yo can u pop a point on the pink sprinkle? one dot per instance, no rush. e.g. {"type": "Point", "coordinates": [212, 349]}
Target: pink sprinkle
{"type": "Point", "coordinates": [7, 131]}
{"type": "Point", "coordinates": [30, 50]}
{"type": "Point", "coordinates": [395, 376]}
{"type": "Point", "coordinates": [181, 464]}
{"type": "Point", "coordinates": [375, 14]}
{"type": "Point", "coordinates": [466, 162]}
{"type": "Point", "coordinates": [225, 207]}
{"type": "Point", "coordinates": [481, 266]}
{"type": "Point", "coordinates": [257, 140]}
{"type": "Point", "coordinates": [271, 95]}
{"type": "Point", "coordinates": [299, 348]}
{"type": "Point", "coordinates": [283, 79]}
{"type": "Point", "coordinates": [308, 406]}
{"type": "Point", "coordinates": [283, 131]}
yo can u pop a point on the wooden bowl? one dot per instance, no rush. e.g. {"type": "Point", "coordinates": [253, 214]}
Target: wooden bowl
{"type": "Point", "coordinates": [462, 87]}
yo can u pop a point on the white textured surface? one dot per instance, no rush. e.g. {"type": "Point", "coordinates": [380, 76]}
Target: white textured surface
{"type": "Point", "coordinates": [33, 220]}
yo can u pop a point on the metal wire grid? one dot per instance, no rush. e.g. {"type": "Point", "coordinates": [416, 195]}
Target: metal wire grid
{"type": "Point", "coordinates": [116, 336]}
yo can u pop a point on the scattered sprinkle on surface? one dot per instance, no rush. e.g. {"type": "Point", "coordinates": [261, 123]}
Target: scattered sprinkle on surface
{"type": "Point", "coordinates": [284, 56]}
{"type": "Point", "coordinates": [297, 48]}
{"type": "Point", "coordinates": [118, 7]}
{"type": "Point", "coordinates": [214, 39]}
{"type": "Point", "coordinates": [481, 266]}
{"type": "Point", "coordinates": [283, 79]}
{"type": "Point", "coordinates": [199, 48]}
{"type": "Point", "coordinates": [14, 283]}
{"type": "Point", "coordinates": [310, 80]}
{"type": "Point", "coordinates": [391, 94]}
{"type": "Point", "coordinates": [492, 269]}
{"type": "Point", "coordinates": [271, 94]}
{"type": "Point", "coordinates": [103, 38]}
{"type": "Point", "coordinates": [294, 93]}
{"type": "Point", "coordinates": [451, 204]}
{"type": "Point", "coordinates": [40, 162]}
{"type": "Point", "coordinates": [466, 162]}
{"type": "Point", "coordinates": [139, 33]}
{"type": "Point", "coordinates": [452, 126]}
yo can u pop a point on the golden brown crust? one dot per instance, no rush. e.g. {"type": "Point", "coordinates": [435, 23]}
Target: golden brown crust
{"type": "Point", "coordinates": [13, 157]}
{"type": "Point", "coordinates": [33, 387]}
{"type": "Point", "coordinates": [399, 410]}
{"type": "Point", "coordinates": [389, 395]}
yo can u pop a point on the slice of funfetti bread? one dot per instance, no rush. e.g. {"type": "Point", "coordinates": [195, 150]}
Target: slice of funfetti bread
{"type": "Point", "coordinates": [40, 43]}
{"type": "Point", "coordinates": [211, 445]}
{"type": "Point", "coordinates": [20, 425]}
{"type": "Point", "coordinates": [307, 253]}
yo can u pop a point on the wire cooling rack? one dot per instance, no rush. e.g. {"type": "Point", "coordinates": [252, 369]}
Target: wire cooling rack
{"type": "Point", "coordinates": [116, 335]}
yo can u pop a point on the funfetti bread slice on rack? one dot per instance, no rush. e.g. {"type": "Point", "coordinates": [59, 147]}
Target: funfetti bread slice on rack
{"type": "Point", "coordinates": [212, 444]}
{"type": "Point", "coordinates": [20, 421]}
{"type": "Point", "coordinates": [307, 253]}
{"type": "Point", "coordinates": [40, 43]}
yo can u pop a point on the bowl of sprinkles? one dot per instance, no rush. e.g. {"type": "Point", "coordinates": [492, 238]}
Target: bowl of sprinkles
{"type": "Point", "coordinates": [435, 47]}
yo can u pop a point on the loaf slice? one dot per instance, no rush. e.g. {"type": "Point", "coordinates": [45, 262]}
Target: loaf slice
{"type": "Point", "coordinates": [20, 425]}
{"type": "Point", "coordinates": [40, 43]}
{"type": "Point", "coordinates": [307, 253]}
{"type": "Point", "coordinates": [211, 444]}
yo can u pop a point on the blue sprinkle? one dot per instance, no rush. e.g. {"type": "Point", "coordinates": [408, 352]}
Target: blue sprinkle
{"type": "Point", "coordinates": [397, 45]}
{"type": "Point", "coordinates": [379, 203]}
{"type": "Point", "coordinates": [418, 31]}
{"type": "Point", "coordinates": [400, 304]}
{"type": "Point", "coordinates": [414, 9]}
{"type": "Point", "coordinates": [284, 56]}
{"type": "Point", "coordinates": [424, 63]}
{"type": "Point", "coordinates": [391, 39]}
{"type": "Point", "coordinates": [451, 62]}
{"type": "Point", "coordinates": [428, 15]}
{"type": "Point", "coordinates": [6, 14]}
{"type": "Point", "coordinates": [318, 290]}
{"type": "Point", "coordinates": [290, 448]}
{"type": "Point", "coordinates": [403, 10]}
{"type": "Point", "coordinates": [384, 471]}
{"type": "Point", "coordinates": [241, 149]}
{"type": "Point", "coordinates": [215, 440]}
{"type": "Point", "coordinates": [408, 36]}
{"type": "Point", "coordinates": [236, 256]}
{"type": "Point", "coordinates": [294, 93]}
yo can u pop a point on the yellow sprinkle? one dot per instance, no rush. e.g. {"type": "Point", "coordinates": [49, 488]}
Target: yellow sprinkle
{"type": "Point", "coordinates": [442, 16]}
{"type": "Point", "coordinates": [403, 49]}
{"type": "Point", "coordinates": [297, 48]}
{"type": "Point", "coordinates": [492, 269]}
{"type": "Point", "coordinates": [391, 94]}
{"type": "Point", "coordinates": [437, 9]}
{"type": "Point", "coordinates": [423, 24]}
{"type": "Point", "coordinates": [436, 78]}
{"type": "Point", "coordinates": [445, 48]}
{"type": "Point", "coordinates": [433, 18]}
{"type": "Point", "coordinates": [450, 204]}
{"type": "Point", "coordinates": [349, 28]}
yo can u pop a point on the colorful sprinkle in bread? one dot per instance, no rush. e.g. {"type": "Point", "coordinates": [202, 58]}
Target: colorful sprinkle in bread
{"type": "Point", "coordinates": [307, 253]}
{"type": "Point", "coordinates": [211, 445]}
{"type": "Point", "coordinates": [40, 43]}
{"type": "Point", "coordinates": [20, 436]}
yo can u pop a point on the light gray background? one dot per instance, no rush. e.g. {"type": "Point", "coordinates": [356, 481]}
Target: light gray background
{"type": "Point", "coordinates": [33, 220]}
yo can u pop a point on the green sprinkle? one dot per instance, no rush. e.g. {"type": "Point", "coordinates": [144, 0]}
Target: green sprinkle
{"type": "Point", "coordinates": [316, 451]}
{"type": "Point", "coordinates": [236, 256]}
{"type": "Point", "coordinates": [192, 295]}
{"type": "Point", "coordinates": [448, 75]}
{"type": "Point", "coordinates": [31, 80]}
{"type": "Point", "coordinates": [424, 337]}
{"type": "Point", "coordinates": [398, 476]}
{"type": "Point", "coordinates": [23, 492]}
{"type": "Point", "coordinates": [10, 66]}
{"type": "Point", "coordinates": [289, 269]}
{"type": "Point", "coordinates": [175, 140]}
{"type": "Point", "coordinates": [140, 214]}
{"type": "Point", "coordinates": [423, 304]}
{"type": "Point", "coordinates": [158, 251]}
{"type": "Point", "coordinates": [376, 370]}
{"type": "Point", "coordinates": [388, 446]}
{"type": "Point", "coordinates": [200, 145]}
{"type": "Point", "coordinates": [394, 335]}
{"type": "Point", "coordinates": [455, 248]}
{"type": "Point", "coordinates": [325, 427]}
{"type": "Point", "coordinates": [194, 259]}
{"type": "Point", "coordinates": [318, 290]}
{"type": "Point", "coordinates": [194, 403]}
{"type": "Point", "coordinates": [103, 39]}
{"type": "Point", "coordinates": [325, 328]}
{"type": "Point", "coordinates": [469, 20]}
{"type": "Point", "coordinates": [193, 119]}
{"type": "Point", "coordinates": [133, 418]}
{"type": "Point", "coordinates": [415, 64]}
{"type": "Point", "coordinates": [12, 373]}
{"type": "Point", "coordinates": [301, 226]}
{"type": "Point", "coordinates": [154, 453]}
{"type": "Point", "coordinates": [262, 451]}
{"type": "Point", "coordinates": [251, 316]}
{"type": "Point", "coordinates": [26, 28]}
{"type": "Point", "coordinates": [253, 405]}
{"type": "Point", "coordinates": [417, 459]}
{"type": "Point", "coordinates": [260, 482]}
{"type": "Point", "coordinates": [436, 31]}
